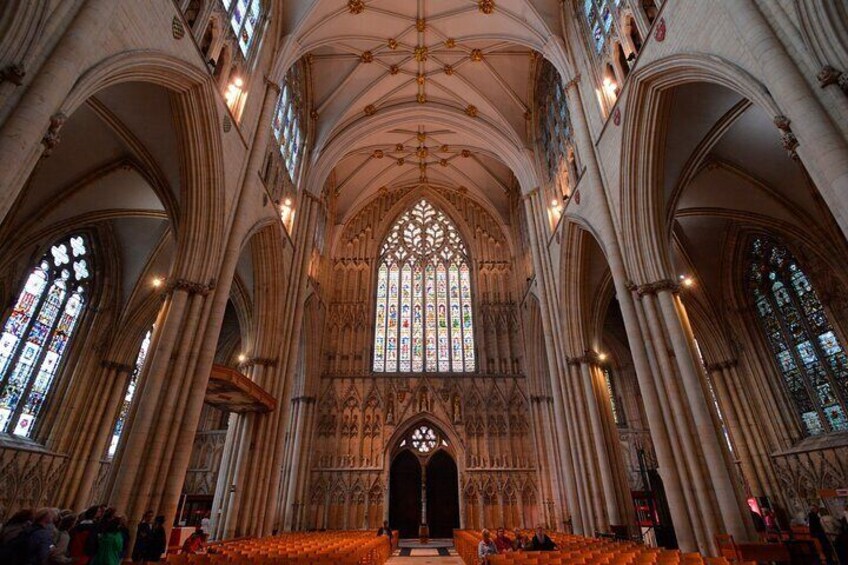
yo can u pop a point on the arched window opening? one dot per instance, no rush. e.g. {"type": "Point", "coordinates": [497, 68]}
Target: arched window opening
{"type": "Point", "coordinates": [599, 17]}
{"type": "Point", "coordinates": [423, 314]}
{"type": "Point", "coordinates": [121, 421]}
{"type": "Point", "coordinates": [806, 350]}
{"type": "Point", "coordinates": [424, 440]}
{"type": "Point", "coordinates": [651, 10]}
{"type": "Point", "coordinates": [289, 125]}
{"type": "Point", "coordinates": [615, 405]}
{"type": "Point", "coordinates": [37, 331]}
{"type": "Point", "coordinates": [244, 17]}
{"type": "Point", "coordinates": [554, 129]}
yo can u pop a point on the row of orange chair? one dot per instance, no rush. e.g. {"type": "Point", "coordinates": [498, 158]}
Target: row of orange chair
{"type": "Point", "coordinates": [308, 548]}
{"type": "Point", "coordinates": [578, 550]}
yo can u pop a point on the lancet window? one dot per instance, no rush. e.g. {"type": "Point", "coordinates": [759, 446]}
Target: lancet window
{"type": "Point", "coordinates": [423, 317]}
{"type": "Point", "coordinates": [245, 17]}
{"type": "Point", "coordinates": [600, 17]}
{"type": "Point", "coordinates": [129, 395]}
{"type": "Point", "coordinates": [806, 350]}
{"type": "Point", "coordinates": [554, 124]}
{"type": "Point", "coordinates": [288, 122]}
{"type": "Point", "coordinates": [36, 333]}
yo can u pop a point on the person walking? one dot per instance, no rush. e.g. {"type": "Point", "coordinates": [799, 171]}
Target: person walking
{"type": "Point", "coordinates": [158, 541]}
{"type": "Point", "coordinates": [142, 537]}
{"type": "Point", "coordinates": [110, 543]}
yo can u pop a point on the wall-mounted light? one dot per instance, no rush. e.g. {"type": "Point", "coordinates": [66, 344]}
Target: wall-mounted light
{"type": "Point", "coordinates": [242, 358]}
{"type": "Point", "coordinates": [610, 86]}
{"type": "Point", "coordinates": [233, 92]}
{"type": "Point", "coordinates": [687, 281]}
{"type": "Point", "coordinates": [602, 357]}
{"type": "Point", "coordinates": [157, 282]}
{"type": "Point", "coordinates": [287, 213]}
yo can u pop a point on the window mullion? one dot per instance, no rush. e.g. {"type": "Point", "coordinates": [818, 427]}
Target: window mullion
{"type": "Point", "coordinates": [813, 338]}
{"type": "Point", "coordinates": [799, 363]}
{"type": "Point", "coordinates": [13, 359]}
{"type": "Point", "coordinates": [36, 366]}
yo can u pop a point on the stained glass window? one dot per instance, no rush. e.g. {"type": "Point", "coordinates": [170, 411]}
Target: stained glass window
{"type": "Point", "coordinates": [424, 439]}
{"type": "Point", "coordinates": [37, 331]}
{"type": "Point", "coordinates": [244, 18]}
{"type": "Point", "coordinates": [288, 124]}
{"type": "Point", "coordinates": [600, 19]}
{"type": "Point", "coordinates": [806, 350]}
{"type": "Point", "coordinates": [617, 415]}
{"type": "Point", "coordinates": [423, 316]}
{"type": "Point", "coordinates": [554, 124]}
{"type": "Point", "coordinates": [129, 395]}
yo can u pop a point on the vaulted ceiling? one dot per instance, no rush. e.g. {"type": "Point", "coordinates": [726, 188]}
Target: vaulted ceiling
{"type": "Point", "coordinates": [470, 62]}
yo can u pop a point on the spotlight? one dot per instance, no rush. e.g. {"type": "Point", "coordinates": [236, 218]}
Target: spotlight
{"type": "Point", "coordinates": [602, 357]}
{"type": "Point", "coordinates": [242, 358]}
{"type": "Point", "coordinates": [687, 281]}
{"type": "Point", "coordinates": [156, 282]}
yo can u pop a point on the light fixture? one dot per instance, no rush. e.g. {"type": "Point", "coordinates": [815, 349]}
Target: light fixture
{"type": "Point", "coordinates": [554, 203]}
{"type": "Point", "coordinates": [287, 202]}
{"type": "Point", "coordinates": [233, 91]}
{"type": "Point", "coordinates": [242, 358]}
{"type": "Point", "coordinates": [156, 282]}
{"type": "Point", "coordinates": [687, 281]}
{"type": "Point", "coordinates": [602, 357]}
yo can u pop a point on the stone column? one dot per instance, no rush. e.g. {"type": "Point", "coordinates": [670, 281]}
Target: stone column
{"type": "Point", "coordinates": [21, 135]}
{"type": "Point", "coordinates": [821, 146]}
{"type": "Point", "coordinates": [722, 481]}
{"type": "Point", "coordinates": [555, 355]}
{"type": "Point", "coordinates": [94, 439]}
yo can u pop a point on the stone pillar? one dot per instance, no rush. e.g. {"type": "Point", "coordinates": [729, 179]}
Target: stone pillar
{"type": "Point", "coordinates": [555, 356]}
{"type": "Point", "coordinates": [98, 425]}
{"type": "Point", "coordinates": [821, 146]}
{"type": "Point", "coordinates": [152, 467]}
{"type": "Point", "coordinates": [21, 135]}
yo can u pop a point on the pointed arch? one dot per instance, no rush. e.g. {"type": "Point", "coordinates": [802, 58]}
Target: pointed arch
{"type": "Point", "coordinates": [424, 311]}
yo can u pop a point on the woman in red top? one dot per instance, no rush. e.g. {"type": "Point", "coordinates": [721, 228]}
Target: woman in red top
{"type": "Point", "coordinates": [503, 543]}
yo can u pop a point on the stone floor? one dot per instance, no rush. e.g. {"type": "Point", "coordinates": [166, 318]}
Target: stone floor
{"type": "Point", "coordinates": [436, 552]}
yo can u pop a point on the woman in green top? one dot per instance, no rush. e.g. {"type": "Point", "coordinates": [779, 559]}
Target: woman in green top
{"type": "Point", "coordinates": [110, 544]}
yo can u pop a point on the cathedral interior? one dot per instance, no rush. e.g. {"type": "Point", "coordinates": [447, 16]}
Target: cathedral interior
{"type": "Point", "coordinates": [311, 265]}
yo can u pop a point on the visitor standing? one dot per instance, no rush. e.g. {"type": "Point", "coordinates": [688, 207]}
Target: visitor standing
{"type": "Point", "coordinates": [158, 541]}
{"type": "Point", "coordinates": [142, 536]}
{"type": "Point", "coordinates": [110, 543]}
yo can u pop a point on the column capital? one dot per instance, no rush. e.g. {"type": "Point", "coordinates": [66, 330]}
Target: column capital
{"type": "Point", "coordinates": [653, 287]}
{"type": "Point", "coordinates": [192, 287]}
{"type": "Point", "coordinates": [272, 85]}
{"type": "Point", "coordinates": [303, 399]}
{"type": "Point", "coordinates": [260, 361]}
{"type": "Point", "coordinates": [116, 366]}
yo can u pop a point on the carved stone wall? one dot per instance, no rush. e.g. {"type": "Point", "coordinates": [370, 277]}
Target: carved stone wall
{"type": "Point", "coordinates": [28, 479]}
{"type": "Point", "coordinates": [358, 422]}
{"type": "Point", "coordinates": [802, 473]}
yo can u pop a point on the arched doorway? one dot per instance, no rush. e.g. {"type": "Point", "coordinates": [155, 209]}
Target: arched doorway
{"type": "Point", "coordinates": [424, 459]}
{"type": "Point", "coordinates": [442, 495]}
{"type": "Point", "coordinates": [405, 494]}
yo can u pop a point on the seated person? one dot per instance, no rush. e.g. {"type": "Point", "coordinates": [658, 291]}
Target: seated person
{"type": "Point", "coordinates": [196, 542]}
{"type": "Point", "coordinates": [503, 543]}
{"type": "Point", "coordinates": [520, 542]}
{"type": "Point", "coordinates": [385, 530]}
{"type": "Point", "coordinates": [486, 548]}
{"type": "Point", "coordinates": [541, 541]}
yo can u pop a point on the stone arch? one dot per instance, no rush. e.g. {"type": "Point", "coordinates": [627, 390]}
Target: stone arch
{"type": "Point", "coordinates": [203, 208]}
{"type": "Point", "coordinates": [646, 249]}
